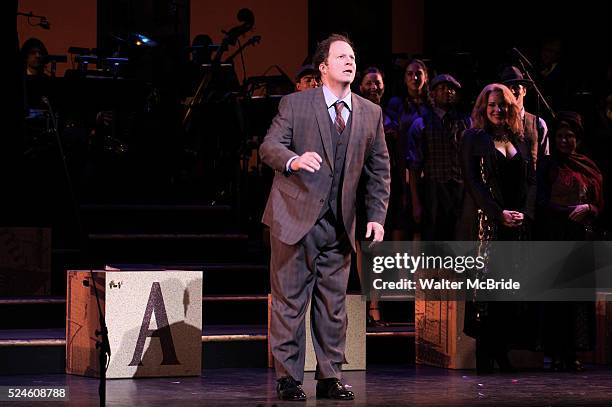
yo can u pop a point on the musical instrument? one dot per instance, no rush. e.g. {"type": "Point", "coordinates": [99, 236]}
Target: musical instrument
{"type": "Point", "coordinates": [204, 91]}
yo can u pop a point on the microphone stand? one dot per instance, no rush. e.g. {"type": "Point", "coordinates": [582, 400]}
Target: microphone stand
{"type": "Point", "coordinates": [42, 20]}
{"type": "Point", "coordinates": [103, 345]}
{"type": "Point", "coordinates": [535, 86]}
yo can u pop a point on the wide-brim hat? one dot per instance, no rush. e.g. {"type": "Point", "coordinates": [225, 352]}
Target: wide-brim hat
{"type": "Point", "coordinates": [511, 75]}
{"type": "Point", "coordinates": [304, 70]}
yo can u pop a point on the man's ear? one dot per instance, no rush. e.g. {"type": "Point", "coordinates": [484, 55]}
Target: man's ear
{"type": "Point", "coordinates": [322, 67]}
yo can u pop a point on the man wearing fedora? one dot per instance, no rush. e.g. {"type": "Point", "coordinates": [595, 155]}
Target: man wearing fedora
{"type": "Point", "coordinates": [436, 184]}
{"type": "Point", "coordinates": [534, 127]}
{"type": "Point", "coordinates": [307, 77]}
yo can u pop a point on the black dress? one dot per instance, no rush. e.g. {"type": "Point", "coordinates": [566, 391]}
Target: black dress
{"type": "Point", "coordinates": [494, 183]}
{"type": "Point", "coordinates": [565, 181]}
{"type": "Point", "coordinates": [510, 173]}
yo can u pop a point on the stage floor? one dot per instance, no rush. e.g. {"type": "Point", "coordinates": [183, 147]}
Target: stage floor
{"type": "Point", "coordinates": [380, 385]}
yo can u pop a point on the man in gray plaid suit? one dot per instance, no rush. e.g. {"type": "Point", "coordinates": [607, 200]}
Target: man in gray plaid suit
{"type": "Point", "coordinates": [320, 143]}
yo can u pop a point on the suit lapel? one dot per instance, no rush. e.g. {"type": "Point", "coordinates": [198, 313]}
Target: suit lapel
{"type": "Point", "coordinates": [355, 126]}
{"type": "Point", "coordinates": [322, 115]}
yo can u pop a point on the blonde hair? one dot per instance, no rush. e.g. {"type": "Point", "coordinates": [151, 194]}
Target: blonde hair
{"type": "Point", "coordinates": [513, 118]}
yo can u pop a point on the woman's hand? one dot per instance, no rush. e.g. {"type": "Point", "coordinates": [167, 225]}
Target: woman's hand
{"type": "Point", "coordinates": [512, 219]}
{"type": "Point", "coordinates": [580, 212]}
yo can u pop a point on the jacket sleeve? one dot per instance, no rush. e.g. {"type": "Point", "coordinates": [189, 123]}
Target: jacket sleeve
{"type": "Point", "coordinates": [415, 156]}
{"type": "Point", "coordinates": [472, 153]}
{"type": "Point", "coordinates": [531, 192]}
{"type": "Point", "coordinates": [378, 179]}
{"type": "Point", "coordinates": [275, 151]}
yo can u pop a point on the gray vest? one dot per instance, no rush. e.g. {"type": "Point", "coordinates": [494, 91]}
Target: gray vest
{"type": "Point", "coordinates": [530, 129]}
{"type": "Point", "coordinates": [339, 143]}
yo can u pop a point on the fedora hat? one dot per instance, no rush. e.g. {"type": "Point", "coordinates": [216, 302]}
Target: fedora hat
{"type": "Point", "coordinates": [444, 78]}
{"type": "Point", "coordinates": [304, 70]}
{"type": "Point", "coordinates": [511, 75]}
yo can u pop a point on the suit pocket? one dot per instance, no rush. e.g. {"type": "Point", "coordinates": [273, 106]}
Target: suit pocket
{"type": "Point", "coordinates": [288, 188]}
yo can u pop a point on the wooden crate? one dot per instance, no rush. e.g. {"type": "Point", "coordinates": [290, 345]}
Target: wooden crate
{"type": "Point", "coordinates": [440, 340]}
{"type": "Point", "coordinates": [603, 343]}
{"type": "Point", "coordinates": [154, 321]}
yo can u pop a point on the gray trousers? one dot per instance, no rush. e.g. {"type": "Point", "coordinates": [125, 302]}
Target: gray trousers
{"type": "Point", "coordinates": [317, 269]}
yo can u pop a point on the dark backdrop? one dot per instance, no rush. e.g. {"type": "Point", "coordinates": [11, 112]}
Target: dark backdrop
{"type": "Point", "coordinates": [367, 23]}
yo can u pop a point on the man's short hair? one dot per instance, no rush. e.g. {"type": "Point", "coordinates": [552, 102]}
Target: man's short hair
{"type": "Point", "coordinates": [369, 70]}
{"type": "Point", "coordinates": [30, 44]}
{"type": "Point", "coordinates": [322, 51]}
{"type": "Point", "coordinates": [372, 69]}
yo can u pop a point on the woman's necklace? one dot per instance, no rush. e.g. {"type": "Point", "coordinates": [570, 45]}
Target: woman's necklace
{"type": "Point", "coordinates": [500, 135]}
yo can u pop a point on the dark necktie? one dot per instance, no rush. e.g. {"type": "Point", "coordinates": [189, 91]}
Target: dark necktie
{"type": "Point", "coordinates": [339, 123]}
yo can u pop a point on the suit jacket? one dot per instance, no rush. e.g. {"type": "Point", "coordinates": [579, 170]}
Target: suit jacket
{"type": "Point", "coordinates": [296, 199]}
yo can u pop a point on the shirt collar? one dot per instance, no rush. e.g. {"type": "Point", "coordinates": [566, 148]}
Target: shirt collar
{"type": "Point", "coordinates": [522, 112]}
{"type": "Point", "coordinates": [330, 98]}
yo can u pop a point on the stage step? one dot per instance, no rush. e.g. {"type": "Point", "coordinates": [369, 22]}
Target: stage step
{"type": "Point", "coordinates": [150, 218]}
{"type": "Point", "coordinates": [210, 333]}
{"type": "Point", "coordinates": [136, 233]}
{"type": "Point", "coordinates": [57, 336]}
{"type": "Point", "coordinates": [221, 308]}
{"type": "Point", "coordinates": [167, 247]}
{"type": "Point", "coordinates": [50, 312]}
{"type": "Point", "coordinates": [38, 351]}
{"type": "Point", "coordinates": [61, 300]}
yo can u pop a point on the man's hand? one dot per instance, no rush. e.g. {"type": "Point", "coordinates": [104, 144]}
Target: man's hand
{"type": "Point", "coordinates": [309, 161]}
{"type": "Point", "coordinates": [377, 228]}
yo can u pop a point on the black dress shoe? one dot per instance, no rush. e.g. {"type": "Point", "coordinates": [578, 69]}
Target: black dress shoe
{"type": "Point", "coordinates": [375, 322]}
{"type": "Point", "coordinates": [371, 322]}
{"type": "Point", "coordinates": [289, 390]}
{"type": "Point", "coordinates": [333, 389]}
